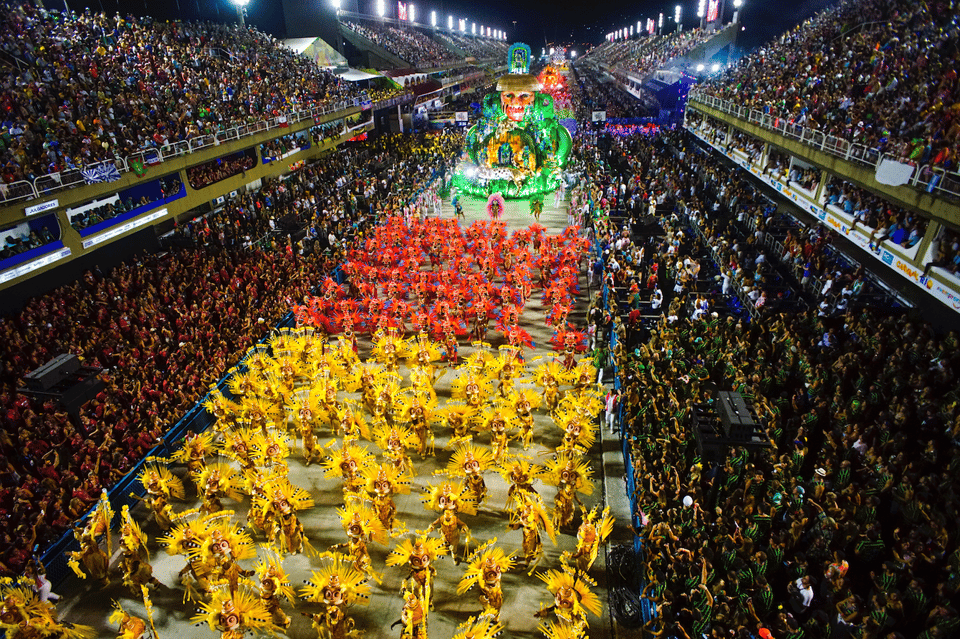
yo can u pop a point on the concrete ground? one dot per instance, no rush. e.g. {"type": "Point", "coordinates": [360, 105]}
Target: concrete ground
{"type": "Point", "coordinates": [84, 603]}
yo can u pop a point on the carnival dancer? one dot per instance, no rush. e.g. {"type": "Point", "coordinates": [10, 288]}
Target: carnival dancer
{"type": "Point", "coordinates": [592, 532]}
{"type": "Point", "coordinates": [95, 561]}
{"type": "Point", "coordinates": [419, 554]}
{"type": "Point", "coordinates": [450, 501]}
{"type": "Point", "coordinates": [361, 526]}
{"type": "Point", "coordinates": [382, 482]}
{"type": "Point", "coordinates": [485, 571]}
{"type": "Point", "coordinates": [336, 586]}
{"type": "Point", "coordinates": [571, 475]}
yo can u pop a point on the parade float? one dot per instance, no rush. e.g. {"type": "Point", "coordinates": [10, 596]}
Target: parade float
{"type": "Point", "coordinates": [518, 147]}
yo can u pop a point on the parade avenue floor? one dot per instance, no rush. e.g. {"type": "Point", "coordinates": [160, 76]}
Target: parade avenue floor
{"type": "Point", "coordinates": [84, 603]}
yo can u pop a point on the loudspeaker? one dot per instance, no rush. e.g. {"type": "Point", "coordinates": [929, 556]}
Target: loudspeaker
{"type": "Point", "coordinates": [53, 372]}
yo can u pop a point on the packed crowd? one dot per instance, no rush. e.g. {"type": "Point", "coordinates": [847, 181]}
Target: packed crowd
{"type": "Point", "coordinates": [646, 54]}
{"type": "Point", "coordinates": [882, 74]}
{"type": "Point", "coordinates": [203, 175]}
{"type": "Point", "coordinates": [416, 48]}
{"type": "Point", "coordinates": [278, 147]}
{"type": "Point", "coordinates": [168, 325]}
{"type": "Point", "coordinates": [886, 221]}
{"type": "Point", "coordinates": [479, 48]}
{"type": "Point", "coordinates": [611, 98]}
{"type": "Point", "coordinates": [96, 87]}
{"type": "Point", "coordinates": [840, 524]}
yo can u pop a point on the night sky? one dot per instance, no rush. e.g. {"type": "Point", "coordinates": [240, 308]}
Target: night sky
{"type": "Point", "coordinates": [539, 23]}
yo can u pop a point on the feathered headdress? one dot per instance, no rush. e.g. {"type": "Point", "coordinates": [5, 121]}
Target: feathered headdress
{"type": "Point", "coordinates": [337, 578]}
{"type": "Point", "coordinates": [485, 558]}
{"type": "Point", "coordinates": [440, 496]}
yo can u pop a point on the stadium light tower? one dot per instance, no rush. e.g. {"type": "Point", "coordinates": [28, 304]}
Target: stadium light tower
{"type": "Point", "coordinates": [336, 5]}
{"type": "Point", "coordinates": [241, 6]}
{"type": "Point", "coordinates": [676, 17]}
{"type": "Point", "coordinates": [473, 28]}
{"type": "Point", "coordinates": [433, 19]}
{"type": "Point", "coordinates": [660, 25]}
{"type": "Point", "coordinates": [450, 22]}
{"type": "Point", "coordinates": [736, 10]}
{"type": "Point", "coordinates": [412, 13]}
{"type": "Point", "coordinates": [381, 8]}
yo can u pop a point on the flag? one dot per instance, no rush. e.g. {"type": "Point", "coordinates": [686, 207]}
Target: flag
{"type": "Point", "coordinates": [282, 121]}
{"type": "Point", "coordinates": [401, 10]}
{"type": "Point", "coordinates": [137, 167]}
{"type": "Point", "coordinates": [100, 173]}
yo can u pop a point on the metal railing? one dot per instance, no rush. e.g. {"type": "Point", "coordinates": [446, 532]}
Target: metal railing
{"type": "Point", "coordinates": [25, 190]}
{"type": "Point", "coordinates": [929, 178]}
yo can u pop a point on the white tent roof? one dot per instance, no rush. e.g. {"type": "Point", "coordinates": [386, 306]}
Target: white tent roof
{"type": "Point", "coordinates": [355, 75]}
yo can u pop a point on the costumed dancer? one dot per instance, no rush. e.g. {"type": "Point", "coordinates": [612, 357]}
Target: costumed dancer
{"type": "Point", "coordinates": [279, 501]}
{"type": "Point", "coordinates": [549, 376]}
{"type": "Point", "coordinates": [235, 612]}
{"type": "Point", "coordinates": [337, 586]}
{"type": "Point", "coordinates": [571, 475]}
{"type": "Point", "coordinates": [187, 538]}
{"type": "Point", "coordinates": [524, 401]}
{"type": "Point", "coordinates": [361, 526]}
{"type": "Point", "coordinates": [348, 461]}
{"type": "Point", "coordinates": [495, 206]}
{"type": "Point", "coordinates": [224, 545]}
{"type": "Point", "coordinates": [417, 410]}
{"type": "Point", "coordinates": [160, 485]}
{"type": "Point", "coordinates": [572, 599]}
{"type": "Point", "coordinates": [521, 474]}
{"type": "Point", "coordinates": [382, 482]}
{"type": "Point", "coordinates": [532, 518]}
{"type": "Point", "coordinates": [215, 481]}
{"type": "Point", "coordinates": [450, 500]}
{"type": "Point", "coordinates": [304, 411]}
{"type": "Point", "coordinates": [23, 615]}
{"type": "Point", "coordinates": [394, 441]}
{"type": "Point", "coordinates": [135, 558]}
{"type": "Point", "coordinates": [95, 561]}
{"type": "Point", "coordinates": [413, 615]}
{"type": "Point", "coordinates": [485, 571]}
{"type": "Point", "coordinates": [469, 462]}
{"type": "Point", "coordinates": [196, 448]}
{"type": "Point", "coordinates": [592, 532]}
{"type": "Point", "coordinates": [419, 554]}
{"type": "Point", "coordinates": [274, 587]}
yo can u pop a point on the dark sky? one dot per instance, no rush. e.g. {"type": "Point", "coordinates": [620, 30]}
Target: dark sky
{"type": "Point", "coordinates": [537, 21]}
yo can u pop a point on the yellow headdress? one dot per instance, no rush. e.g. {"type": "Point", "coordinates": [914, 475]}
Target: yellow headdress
{"type": "Point", "coordinates": [485, 627]}
{"type": "Point", "coordinates": [380, 473]}
{"type": "Point", "coordinates": [578, 583]}
{"type": "Point", "coordinates": [569, 468]}
{"type": "Point", "coordinates": [341, 574]}
{"type": "Point", "coordinates": [344, 454]}
{"type": "Point", "coordinates": [431, 546]}
{"type": "Point", "coordinates": [362, 522]}
{"type": "Point", "coordinates": [270, 566]}
{"type": "Point", "coordinates": [468, 454]}
{"type": "Point", "coordinates": [447, 493]}
{"type": "Point", "coordinates": [156, 476]}
{"type": "Point", "coordinates": [481, 560]}
{"type": "Point", "coordinates": [244, 607]}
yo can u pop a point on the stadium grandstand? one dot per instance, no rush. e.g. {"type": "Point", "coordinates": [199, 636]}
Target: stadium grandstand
{"type": "Point", "coordinates": [242, 293]}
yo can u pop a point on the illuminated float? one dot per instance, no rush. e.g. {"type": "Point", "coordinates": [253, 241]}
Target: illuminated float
{"type": "Point", "coordinates": [518, 148]}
